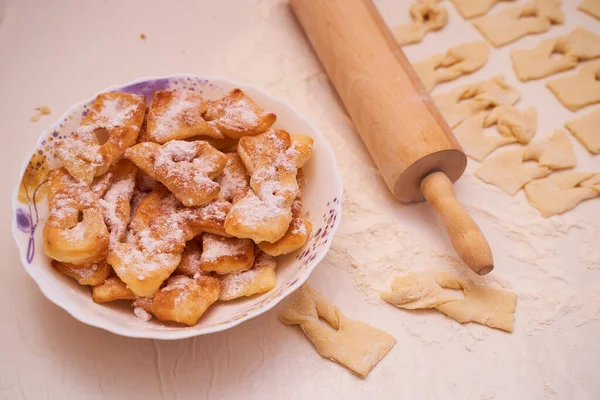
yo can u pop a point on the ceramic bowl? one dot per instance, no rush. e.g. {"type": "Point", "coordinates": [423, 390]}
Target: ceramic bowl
{"type": "Point", "coordinates": [322, 201]}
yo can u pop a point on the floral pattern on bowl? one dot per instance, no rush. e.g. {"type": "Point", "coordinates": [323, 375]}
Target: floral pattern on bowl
{"type": "Point", "coordinates": [322, 196]}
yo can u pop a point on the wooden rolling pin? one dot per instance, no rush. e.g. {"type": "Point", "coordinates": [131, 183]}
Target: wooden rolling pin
{"type": "Point", "coordinates": [411, 144]}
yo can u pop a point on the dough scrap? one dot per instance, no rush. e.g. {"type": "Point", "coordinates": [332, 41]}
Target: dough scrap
{"type": "Point", "coordinates": [464, 101]}
{"type": "Point", "coordinates": [559, 193]}
{"type": "Point", "coordinates": [586, 130]}
{"type": "Point", "coordinates": [505, 27]}
{"type": "Point", "coordinates": [591, 7]}
{"type": "Point", "coordinates": [512, 122]}
{"type": "Point", "coordinates": [484, 305]}
{"type": "Point", "coordinates": [475, 143]}
{"type": "Point", "coordinates": [457, 61]}
{"type": "Point", "coordinates": [507, 171]}
{"type": "Point", "coordinates": [427, 16]}
{"type": "Point", "coordinates": [352, 344]}
{"type": "Point", "coordinates": [580, 89]}
{"type": "Point", "coordinates": [556, 152]}
{"type": "Point", "coordinates": [474, 8]}
{"type": "Point", "coordinates": [536, 63]}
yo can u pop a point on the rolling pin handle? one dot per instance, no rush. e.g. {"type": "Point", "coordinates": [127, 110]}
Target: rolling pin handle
{"type": "Point", "coordinates": [465, 235]}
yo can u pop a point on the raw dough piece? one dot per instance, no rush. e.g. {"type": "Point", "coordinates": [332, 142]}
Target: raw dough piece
{"type": "Point", "coordinates": [353, 344]}
{"type": "Point", "coordinates": [560, 192]}
{"type": "Point", "coordinates": [579, 45]}
{"type": "Point", "coordinates": [426, 16]}
{"type": "Point", "coordinates": [475, 142]}
{"type": "Point", "coordinates": [507, 171]}
{"type": "Point", "coordinates": [591, 7]}
{"type": "Point", "coordinates": [511, 122]}
{"type": "Point", "coordinates": [587, 130]}
{"type": "Point", "coordinates": [555, 152]}
{"type": "Point", "coordinates": [468, 100]}
{"type": "Point", "coordinates": [536, 16]}
{"type": "Point", "coordinates": [474, 8]}
{"type": "Point", "coordinates": [484, 305]}
{"type": "Point", "coordinates": [460, 60]}
{"type": "Point", "coordinates": [580, 89]}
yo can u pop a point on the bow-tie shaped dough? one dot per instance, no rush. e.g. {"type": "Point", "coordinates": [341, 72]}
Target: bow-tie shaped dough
{"type": "Point", "coordinates": [462, 102]}
{"type": "Point", "coordinates": [484, 305]}
{"type": "Point", "coordinates": [186, 168]}
{"type": "Point", "coordinates": [272, 159]}
{"type": "Point", "coordinates": [258, 279]}
{"type": "Point", "coordinates": [579, 45]}
{"type": "Point", "coordinates": [556, 152]}
{"type": "Point", "coordinates": [298, 232]}
{"type": "Point", "coordinates": [353, 344]}
{"type": "Point", "coordinates": [226, 255]}
{"type": "Point", "coordinates": [536, 16]}
{"type": "Point", "coordinates": [182, 299]}
{"type": "Point", "coordinates": [460, 60]}
{"type": "Point", "coordinates": [118, 116]}
{"type": "Point", "coordinates": [507, 171]}
{"type": "Point", "coordinates": [476, 144]}
{"type": "Point", "coordinates": [559, 193]}
{"type": "Point", "coordinates": [427, 16]}
{"type": "Point", "coordinates": [237, 115]}
{"type": "Point", "coordinates": [75, 231]}
{"type": "Point", "coordinates": [177, 115]}
{"type": "Point", "coordinates": [512, 122]}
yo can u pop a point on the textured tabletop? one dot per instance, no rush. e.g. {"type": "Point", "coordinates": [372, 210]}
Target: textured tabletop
{"type": "Point", "coordinates": [59, 52]}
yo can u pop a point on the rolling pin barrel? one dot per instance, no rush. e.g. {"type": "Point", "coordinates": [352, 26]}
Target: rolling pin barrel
{"type": "Point", "coordinates": [402, 129]}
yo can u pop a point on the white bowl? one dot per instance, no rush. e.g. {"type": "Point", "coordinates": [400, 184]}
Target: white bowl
{"type": "Point", "coordinates": [322, 200]}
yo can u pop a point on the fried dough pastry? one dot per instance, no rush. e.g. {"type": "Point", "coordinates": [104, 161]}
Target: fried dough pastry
{"type": "Point", "coordinates": [259, 279]}
{"type": "Point", "coordinates": [87, 274]}
{"type": "Point", "coordinates": [117, 117]}
{"type": "Point", "coordinates": [177, 115]}
{"type": "Point", "coordinates": [75, 231]}
{"type": "Point", "coordinates": [183, 299]}
{"type": "Point", "coordinates": [186, 168]}
{"type": "Point", "coordinates": [237, 115]}
{"type": "Point", "coordinates": [142, 271]}
{"type": "Point", "coordinates": [272, 160]}
{"type": "Point", "coordinates": [116, 199]}
{"type": "Point", "coordinates": [110, 290]}
{"type": "Point", "coordinates": [298, 232]}
{"type": "Point", "coordinates": [226, 255]}
{"type": "Point", "coordinates": [234, 181]}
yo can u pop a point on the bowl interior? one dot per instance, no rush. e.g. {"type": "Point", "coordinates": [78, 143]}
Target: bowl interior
{"type": "Point", "coordinates": [321, 196]}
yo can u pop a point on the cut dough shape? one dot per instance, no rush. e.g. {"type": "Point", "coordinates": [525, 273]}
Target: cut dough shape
{"type": "Point", "coordinates": [587, 130]}
{"type": "Point", "coordinates": [507, 171]}
{"type": "Point", "coordinates": [555, 152]}
{"type": "Point", "coordinates": [468, 100]}
{"type": "Point", "coordinates": [536, 63]}
{"type": "Point", "coordinates": [460, 60]}
{"type": "Point", "coordinates": [591, 7]}
{"type": "Point", "coordinates": [474, 8]}
{"type": "Point", "coordinates": [475, 143]}
{"type": "Point", "coordinates": [511, 122]}
{"type": "Point", "coordinates": [352, 344]}
{"type": "Point", "coordinates": [505, 27]}
{"type": "Point", "coordinates": [486, 306]}
{"type": "Point", "coordinates": [427, 16]}
{"type": "Point", "coordinates": [559, 193]}
{"type": "Point", "coordinates": [580, 89]}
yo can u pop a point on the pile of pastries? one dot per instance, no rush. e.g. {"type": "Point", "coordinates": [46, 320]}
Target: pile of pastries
{"type": "Point", "coordinates": [177, 205]}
